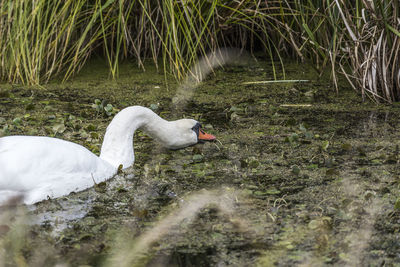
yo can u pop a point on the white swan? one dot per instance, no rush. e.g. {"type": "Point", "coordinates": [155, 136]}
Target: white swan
{"type": "Point", "coordinates": [42, 167]}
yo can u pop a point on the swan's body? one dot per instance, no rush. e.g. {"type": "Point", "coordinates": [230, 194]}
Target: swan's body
{"type": "Point", "coordinates": [38, 167]}
{"type": "Point", "coordinates": [42, 167]}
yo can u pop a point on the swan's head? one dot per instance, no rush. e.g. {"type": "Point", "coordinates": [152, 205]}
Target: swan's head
{"type": "Point", "coordinates": [187, 132]}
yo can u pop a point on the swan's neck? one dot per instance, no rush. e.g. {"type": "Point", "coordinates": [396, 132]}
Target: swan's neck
{"type": "Point", "coordinates": [117, 146]}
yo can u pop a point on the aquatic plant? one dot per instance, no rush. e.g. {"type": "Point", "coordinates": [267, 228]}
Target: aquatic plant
{"type": "Point", "coordinates": [41, 38]}
{"type": "Point", "coordinates": [102, 107]}
{"type": "Point", "coordinates": [327, 196]}
{"type": "Point", "coordinates": [136, 252]}
{"type": "Point", "coordinates": [371, 42]}
{"type": "Point", "coordinates": [360, 39]}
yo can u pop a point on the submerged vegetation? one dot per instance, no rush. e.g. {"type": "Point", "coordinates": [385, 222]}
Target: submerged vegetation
{"type": "Point", "coordinates": [359, 39]}
{"type": "Point", "coordinates": [300, 176]}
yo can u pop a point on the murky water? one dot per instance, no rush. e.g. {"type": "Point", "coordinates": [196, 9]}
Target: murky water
{"type": "Point", "coordinates": [315, 174]}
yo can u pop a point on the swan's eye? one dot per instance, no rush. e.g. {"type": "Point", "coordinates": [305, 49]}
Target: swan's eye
{"type": "Point", "coordinates": [196, 129]}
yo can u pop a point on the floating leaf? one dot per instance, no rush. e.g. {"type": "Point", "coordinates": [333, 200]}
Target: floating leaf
{"type": "Point", "coordinates": [198, 158]}
{"type": "Point", "coordinates": [59, 128]}
{"type": "Point", "coordinates": [260, 193]}
{"type": "Point", "coordinates": [325, 145]}
{"type": "Point", "coordinates": [302, 127]}
{"type": "Point", "coordinates": [235, 117]}
{"type": "Point", "coordinates": [154, 107]}
{"type": "Point", "coordinates": [313, 224]}
{"type": "Point", "coordinates": [376, 161]}
{"type": "Point", "coordinates": [17, 121]}
{"type": "Point", "coordinates": [273, 191]}
{"type": "Point", "coordinates": [309, 94]}
{"type": "Point", "coordinates": [235, 109]}
{"type": "Point", "coordinates": [308, 135]}
{"type": "Point", "coordinates": [292, 138]}
{"type": "Point", "coordinates": [312, 166]}
{"type": "Point", "coordinates": [108, 108]}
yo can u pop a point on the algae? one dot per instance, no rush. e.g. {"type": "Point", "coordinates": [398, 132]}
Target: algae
{"type": "Point", "coordinates": [317, 172]}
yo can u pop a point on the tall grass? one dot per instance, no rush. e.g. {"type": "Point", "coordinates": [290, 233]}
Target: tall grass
{"type": "Point", "coordinates": [359, 39]}
{"type": "Point", "coordinates": [372, 44]}
{"type": "Point", "coordinates": [41, 38]}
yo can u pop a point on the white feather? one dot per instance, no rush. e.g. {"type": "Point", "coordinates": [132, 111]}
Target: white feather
{"type": "Point", "coordinates": [42, 167]}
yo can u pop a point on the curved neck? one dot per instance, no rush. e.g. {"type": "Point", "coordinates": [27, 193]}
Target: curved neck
{"type": "Point", "coordinates": [117, 145]}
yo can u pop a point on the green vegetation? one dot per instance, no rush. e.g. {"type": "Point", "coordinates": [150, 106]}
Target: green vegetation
{"type": "Point", "coordinates": [359, 39]}
{"type": "Point", "coordinates": [287, 184]}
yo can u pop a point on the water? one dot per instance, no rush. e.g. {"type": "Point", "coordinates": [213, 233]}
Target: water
{"type": "Point", "coordinates": [316, 174]}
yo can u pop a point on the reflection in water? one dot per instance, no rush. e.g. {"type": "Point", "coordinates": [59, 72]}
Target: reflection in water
{"type": "Point", "coordinates": [60, 213]}
{"type": "Point", "coordinates": [59, 218]}
{"type": "Point", "coordinates": [376, 124]}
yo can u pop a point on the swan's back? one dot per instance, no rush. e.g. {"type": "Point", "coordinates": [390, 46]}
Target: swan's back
{"type": "Point", "coordinates": [44, 166]}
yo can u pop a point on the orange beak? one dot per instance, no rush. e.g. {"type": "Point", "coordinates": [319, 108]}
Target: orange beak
{"type": "Point", "coordinates": [205, 136]}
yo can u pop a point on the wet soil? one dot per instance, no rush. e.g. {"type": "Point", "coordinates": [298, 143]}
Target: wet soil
{"type": "Point", "coordinates": [313, 176]}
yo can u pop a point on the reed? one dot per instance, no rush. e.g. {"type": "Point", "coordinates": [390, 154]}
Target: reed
{"type": "Point", "coordinates": [40, 39]}
{"type": "Point", "coordinates": [371, 44]}
{"type": "Point", "coordinates": [358, 39]}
